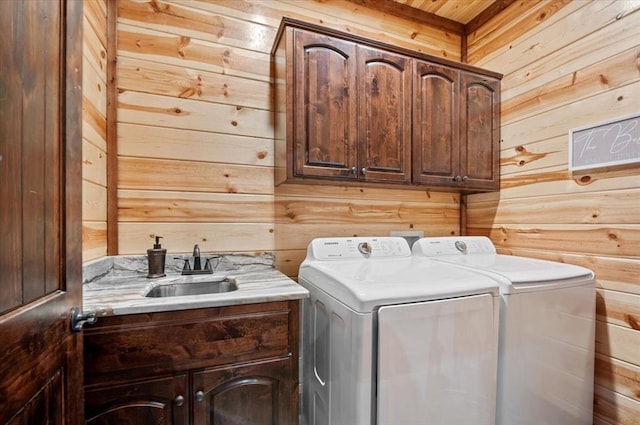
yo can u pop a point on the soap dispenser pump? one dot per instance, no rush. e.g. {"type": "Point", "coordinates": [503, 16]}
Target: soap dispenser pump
{"type": "Point", "coordinates": [156, 257]}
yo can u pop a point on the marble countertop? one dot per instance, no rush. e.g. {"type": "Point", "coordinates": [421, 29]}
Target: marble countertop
{"type": "Point", "coordinates": [116, 289]}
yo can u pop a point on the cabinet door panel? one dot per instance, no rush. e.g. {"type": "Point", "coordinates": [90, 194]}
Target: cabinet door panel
{"type": "Point", "coordinates": [148, 402]}
{"type": "Point", "coordinates": [435, 124]}
{"type": "Point", "coordinates": [249, 394]}
{"type": "Point", "coordinates": [384, 111]}
{"type": "Point", "coordinates": [480, 154]}
{"type": "Point", "coordinates": [325, 108]}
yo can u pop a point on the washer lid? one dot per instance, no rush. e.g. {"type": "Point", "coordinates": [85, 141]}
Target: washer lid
{"type": "Point", "coordinates": [364, 284]}
{"type": "Point", "coordinates": [479, 253]}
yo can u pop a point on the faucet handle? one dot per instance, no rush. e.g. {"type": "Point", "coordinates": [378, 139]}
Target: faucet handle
{"type": "Point", "coordinates": [186, 267]}
{"type": "Point", "coordinates": [208, 266]}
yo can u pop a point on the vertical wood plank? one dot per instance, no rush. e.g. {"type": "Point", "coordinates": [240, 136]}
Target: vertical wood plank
{"type": "Point", "coordinates": [10, 165]}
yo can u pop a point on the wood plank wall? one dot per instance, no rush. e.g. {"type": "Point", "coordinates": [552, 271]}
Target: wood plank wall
{"type": "Point", "coordinates": [94, 145]}
{"type": "Point", "coordinates": [579, 64]}
{"type": "Point", "coordinates": [195, 134]}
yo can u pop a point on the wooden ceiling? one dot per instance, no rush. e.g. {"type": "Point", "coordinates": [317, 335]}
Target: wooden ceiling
{"type": "Point", "coordinates": [462, 11]}
{"type": "Point", "coordinates": [458, 16]}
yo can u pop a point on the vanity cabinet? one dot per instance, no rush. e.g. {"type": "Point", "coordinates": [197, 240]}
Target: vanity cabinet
{"type": "Point", "coordinates": [223, 365]}
{"type": "Point", "coordinates": [350, 110]}
{"type": "Point", "coordinates": [456, 128]}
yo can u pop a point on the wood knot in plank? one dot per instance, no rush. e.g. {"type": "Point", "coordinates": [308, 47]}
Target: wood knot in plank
{"type": "Point", "coordinates": [632, 321]}
{"type": "Point", "coordinates": [584, 180]}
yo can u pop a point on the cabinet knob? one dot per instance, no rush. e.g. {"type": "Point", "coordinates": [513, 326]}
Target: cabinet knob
{"type": "Point", "coordinates": [465, 178]}
{"type": "Point", "coordinates": [457, 179]}
{"type": "Point", "coordinates": [200, 396]}
{"type": "Point", "coordinates": [364, 171]}
{"type": "Point", "coordinates": [354, 170]}
{"type": "Point", "coordinates": [179, 401]}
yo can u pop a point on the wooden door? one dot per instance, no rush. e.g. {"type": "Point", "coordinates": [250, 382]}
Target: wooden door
{"type": "Point", "coordinates": [158, 401]}
{"type": "Point", "coordinates": [324, 106]}
{"type": "Point", "coordinates": [40, 211]}
{"type": "Point", "coordinates": [436, 124]}
{"type": "Point", "coordinates": [480, 120]}
{"type": "Point", "coordinates": [257, 393]}
{"type": "Point", "coordinates": [384, 116]}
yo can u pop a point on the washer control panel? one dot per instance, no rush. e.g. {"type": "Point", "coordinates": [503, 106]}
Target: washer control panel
{"type": "Point", "coordinates": [358, 247]}
{"type": "Point", "coordinates": [453, 245]}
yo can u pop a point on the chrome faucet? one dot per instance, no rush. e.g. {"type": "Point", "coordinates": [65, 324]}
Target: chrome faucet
{"type": "Point", "coordinates": [197, 264]}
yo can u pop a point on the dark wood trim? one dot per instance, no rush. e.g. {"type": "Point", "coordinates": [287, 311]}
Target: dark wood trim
{"type": "Point", "coordinates": [112, 126]}
{"type": "Point", "coordinates": [72, 224]}
{"type": "Point", "coordinates": [289, 22]}
{"type": "Point", "coordinates": [403, 11]}
{"type": "Point", "coordinates": [486, 15]}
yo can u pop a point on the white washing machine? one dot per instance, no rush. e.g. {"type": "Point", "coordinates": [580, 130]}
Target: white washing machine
{"type": "Point", "coordinates": [547, 331]}
{"type": "Point", "coordinates": [390, 340]}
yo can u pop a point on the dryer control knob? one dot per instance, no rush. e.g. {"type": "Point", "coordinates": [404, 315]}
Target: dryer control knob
{"type": "Point", "coordinates": [461, 246]}
{"type": "Point", "coordinates": [364, 248]}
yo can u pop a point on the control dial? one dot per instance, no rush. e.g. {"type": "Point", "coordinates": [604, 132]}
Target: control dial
{"type": "Point", "coordinates": [364, 248]}
{"type": "Point", "coordinates": [461, 246]}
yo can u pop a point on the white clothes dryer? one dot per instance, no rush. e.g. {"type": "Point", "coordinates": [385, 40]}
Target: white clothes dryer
{"type": "Point", "coordinates": [547, 331]}
{"type": "Point", "coordinates": [389, 340]}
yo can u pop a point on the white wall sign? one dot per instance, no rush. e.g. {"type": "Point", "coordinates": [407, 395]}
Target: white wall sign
{"type": "Point", "coordinates": [605, 144]}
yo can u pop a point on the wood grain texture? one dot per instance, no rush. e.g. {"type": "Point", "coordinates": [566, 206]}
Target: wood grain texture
{"type": "Point", "coordinates": [578, 66]}
{"type": "Point", "coordinates": [94, 126]}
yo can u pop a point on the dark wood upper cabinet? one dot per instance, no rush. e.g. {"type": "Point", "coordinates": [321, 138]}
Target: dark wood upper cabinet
{"type": "Point", "coordinates": [456, 128]}
{"type": "Point", "coordinates": [384, 115]}
{"type": "Point", "coordinates": [436, 135]}
{"type": "Point", "coordinates": [351, 111]}
{"type": "Point", "coordinates": [480, 127]}
{"type": "Point", "coordinates": [325, 106]}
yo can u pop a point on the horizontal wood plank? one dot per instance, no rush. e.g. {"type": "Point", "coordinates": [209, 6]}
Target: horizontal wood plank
{"type": "Point", "coordinates": [185, 21]}
{"type": "Point", "coordinates": [160, 206]}
{"type": "Point", "coordinates": [618, 342]}
{"type": "Point", "coordinates": [94, 164]}
{"type": "Point", "coordinates": [616, 241]}
{"type": "Point", "coordinates": [191, 176]}
{"type": "Point", "coordinates": [300, 210]}
{"type": "Point", "coordinates": [298, 236]}
{"type": "Point", "coordinates": [367, 192]}
{"type": "Point", "coordinates": [619, 308]}
{"type": "Point", "coordinates": [94, 202]}
{"type": "Point", "coordinates": [617, 206]}
{"type": "Point", "coordinates": [94, 240]}
{"type": "Point", "coordinates": [513, 23]}
{"type": "Point", "coordinates": [613, 72]}
{"type": "Point", "coordinates": [164, 111]}
{"type": "Point", "coordinates": [149, 141]}
{"type": "Point", "coordinates": [618, 376]}
{"type": "Point", "coordinates": [615, 408]}
{"type": "Point", "coordinates": [288, 261]}
{"type": "Point", "coordinates": [156, 46]}
{"type": "Point", "coordinates": [136, 238]}
{"type": "Point", "coordinates": [170, 80]}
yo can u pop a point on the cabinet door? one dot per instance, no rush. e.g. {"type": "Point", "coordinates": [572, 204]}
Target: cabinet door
{"type": "Point", "coordinates": [480, 117]}
{"type": "Point", "coordinates": [436, 125]}
{"type": "Point", "coordinates": [384, 116]}
{"type": "Point", "coordinates": [261, 393]}
{"type": "Point", "coordinates": [155, 401]}
{"type": "Point", "coordinates": [324, 106]}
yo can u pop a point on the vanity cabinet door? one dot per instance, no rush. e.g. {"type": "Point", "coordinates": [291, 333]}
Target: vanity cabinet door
{"type": "Point", "coordinates": [159, 401]}
{"type": "Point", "coordinates": [257, 393]}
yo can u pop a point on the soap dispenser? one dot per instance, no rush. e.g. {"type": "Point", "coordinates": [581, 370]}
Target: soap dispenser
{"type": "Point", "coordinates": [156, 257]}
